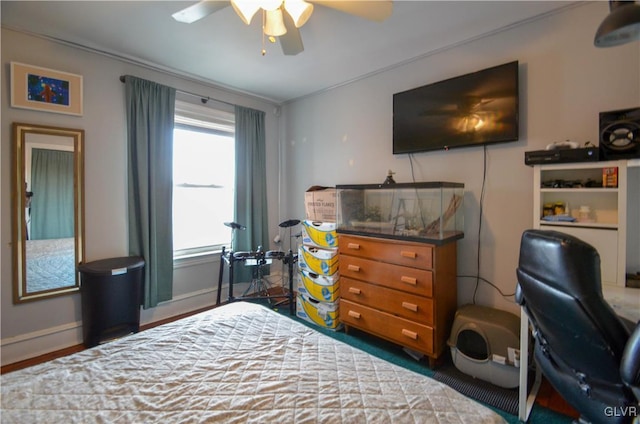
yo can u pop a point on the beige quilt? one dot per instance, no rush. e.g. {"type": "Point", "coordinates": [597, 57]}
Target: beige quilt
{"type": "Point", "coordinates": [240, 363]}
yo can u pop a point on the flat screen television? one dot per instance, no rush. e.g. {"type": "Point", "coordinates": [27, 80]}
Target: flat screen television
{"type": "Point", "coordinates": [469, 110]}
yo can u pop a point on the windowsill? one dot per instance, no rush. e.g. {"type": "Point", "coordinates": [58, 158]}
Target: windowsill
{"type": "Point", "coordinates": [191, 259]}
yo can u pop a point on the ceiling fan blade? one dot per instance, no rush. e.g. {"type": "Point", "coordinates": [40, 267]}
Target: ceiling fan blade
{"type": "Point", "coordinates": [200, 10]}
{"type": "Point", "coordinates": [372, 10]}
{"type": "Point", "coordinates": [291, 42]}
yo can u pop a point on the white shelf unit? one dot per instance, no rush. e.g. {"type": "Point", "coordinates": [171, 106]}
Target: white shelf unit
{"type": "Point", "coordinates": [607, 230]}
{"type": "Point", "coordinates": [615, 233]}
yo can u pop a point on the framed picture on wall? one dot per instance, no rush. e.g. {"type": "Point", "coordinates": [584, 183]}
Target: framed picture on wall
{"type": "Point", "coordinates": [47, 90]}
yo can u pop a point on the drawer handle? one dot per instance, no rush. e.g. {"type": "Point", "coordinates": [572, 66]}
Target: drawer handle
{"type": "Point", "coordinates": [354, 290]}
{"type": "Point", "coordinates": [410, 334]}
{"type": "Point", "coordinates": [354, 314]}
{"type": "Point", "coordinates": [409, 280]}
{"type": "Point", "coordinates": [354, 268]}
{"type": "Point", "coordinates": [410, 306]}
{"type": "Point", "coordinates": [408, 254]}
{"type": "Point", "coordinates": [354, 246]}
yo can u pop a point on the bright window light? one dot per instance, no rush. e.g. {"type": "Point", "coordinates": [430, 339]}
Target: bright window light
{"type": "Point", "coordinates": [203, 189]}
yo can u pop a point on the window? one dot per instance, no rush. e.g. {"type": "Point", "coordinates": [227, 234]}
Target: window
{"type": "Point", "coordinates": [203, 178]}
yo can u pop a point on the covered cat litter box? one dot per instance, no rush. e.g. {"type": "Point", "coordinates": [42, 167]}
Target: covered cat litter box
{"type": "Point", "coordinates": [485, 344]}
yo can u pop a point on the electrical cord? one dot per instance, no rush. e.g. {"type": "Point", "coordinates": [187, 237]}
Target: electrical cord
{"type": "Point", "coordinates": [480, 206]}
{"type": "Point", "coordinates": [477, 277]}
{"type": "Point", "coordinates": [413, 177]}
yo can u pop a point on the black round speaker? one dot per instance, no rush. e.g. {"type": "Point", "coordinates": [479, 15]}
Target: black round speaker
{"type": "Point", "coordinates": [621, 136]}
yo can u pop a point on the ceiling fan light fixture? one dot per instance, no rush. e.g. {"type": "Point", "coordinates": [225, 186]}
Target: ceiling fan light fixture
{"type": "Point", "coordinates": [269, 5]}
{"type": "Point", "coordinates": [245, 9]}
{"type": "Point", "coordinates": [470, 123]}
{"type": "Point", "coordinates": [621, 25]}
{"type": "Point", "coordinates": [299, 10]}
{"type": "Point", "coordinates": [274, 23]}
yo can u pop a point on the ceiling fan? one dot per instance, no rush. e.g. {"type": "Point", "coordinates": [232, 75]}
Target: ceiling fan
{"type": "Point", "coordinates": [467, 104]}
{"type": "Point", "coordinates": [470, 113]}
{"type": "Point", "coordinates": [283, 18]}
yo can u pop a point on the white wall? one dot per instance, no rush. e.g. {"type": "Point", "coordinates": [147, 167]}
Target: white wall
{"type": "Point", "coordinates": [343, 136]}
{"type": "Point", "coordinates": [37, 327]}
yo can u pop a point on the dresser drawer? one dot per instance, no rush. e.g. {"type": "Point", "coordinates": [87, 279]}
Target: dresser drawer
{"type": "Point", "coordinates": [409, 306]}
{"type": "Point", "coordinates": [417, 255]}
{"type": "Point", "coordinates": [412, 280]}
{"type": "Point", "coordinates": [398, 330]}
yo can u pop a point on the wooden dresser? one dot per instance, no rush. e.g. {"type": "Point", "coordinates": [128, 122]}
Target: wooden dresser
{"type": "Point", "coordinates": [401, 291]}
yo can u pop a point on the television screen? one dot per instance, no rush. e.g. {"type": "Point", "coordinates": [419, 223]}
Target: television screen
{"type": "Point", "coordinates": [469, 110]}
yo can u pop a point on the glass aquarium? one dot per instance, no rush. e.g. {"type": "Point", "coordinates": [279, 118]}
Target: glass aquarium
{"type": "Point", "coordinates": [428, 211]}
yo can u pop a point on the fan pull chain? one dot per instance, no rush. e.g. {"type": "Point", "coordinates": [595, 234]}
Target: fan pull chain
{"type": "Point", "coordinates": [264, 23]}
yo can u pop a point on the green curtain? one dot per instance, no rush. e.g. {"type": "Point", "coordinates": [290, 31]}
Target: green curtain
{"type": "Point", "coordinates": [150, 114]}
{"type": "Point", "coordinates": [52, 202]}
{"type": "Point", "coordinates": [251, 188]}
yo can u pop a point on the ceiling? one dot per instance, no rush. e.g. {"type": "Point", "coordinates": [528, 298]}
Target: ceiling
{"type": "Point", "coordinates": [221, 50]}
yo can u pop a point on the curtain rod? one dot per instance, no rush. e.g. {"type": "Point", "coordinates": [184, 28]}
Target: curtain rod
{"type": "Point", "coordinates": [203, 99]}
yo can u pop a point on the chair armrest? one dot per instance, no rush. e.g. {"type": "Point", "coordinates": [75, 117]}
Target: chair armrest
{"type": "Point", "coordinates": [519, 296]}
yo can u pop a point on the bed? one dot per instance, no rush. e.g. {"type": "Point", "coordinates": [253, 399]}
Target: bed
{"type": "Point", "coordinates": [51, 264]}
{"type": "Point", "coordinates": [238, 363]}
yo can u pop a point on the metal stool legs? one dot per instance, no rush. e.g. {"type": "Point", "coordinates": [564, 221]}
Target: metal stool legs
{"type": "Point", "coordinates": [259, 285]}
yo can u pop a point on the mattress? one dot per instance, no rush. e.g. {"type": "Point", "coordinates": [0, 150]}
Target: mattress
{"type": "Point", "coordinates": [51, 264]}
{"type": "Point", "coordinates": [237, 363]}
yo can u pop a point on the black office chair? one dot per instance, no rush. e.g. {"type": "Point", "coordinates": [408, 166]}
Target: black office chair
{"type": "Point", "coordinates": [581, 346]}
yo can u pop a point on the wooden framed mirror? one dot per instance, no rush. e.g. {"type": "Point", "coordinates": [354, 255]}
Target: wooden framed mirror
{"type": "Point", "coordinates": [48, 210]}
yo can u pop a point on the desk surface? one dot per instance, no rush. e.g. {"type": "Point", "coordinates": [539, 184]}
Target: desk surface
{"type": "Point", "coordinates": [625, 301]}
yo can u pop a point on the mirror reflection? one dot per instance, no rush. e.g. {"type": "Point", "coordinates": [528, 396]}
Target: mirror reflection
{"type": "Point", "coordinates": [48, 242]}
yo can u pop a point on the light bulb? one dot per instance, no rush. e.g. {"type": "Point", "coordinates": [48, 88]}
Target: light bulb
{"type": "Point", "coordinates": [245, 9]}
{"type": "Point", "coordinates": [269, 5]}
{"type": "Point", "coordinates": [299, 10]}
{"type": "Point", "coordinates": [274, 23]}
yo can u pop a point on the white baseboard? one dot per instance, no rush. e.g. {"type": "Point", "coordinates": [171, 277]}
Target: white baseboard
{"type": "Point", "coordinates": [40, 342]}
{"type": "Point", "coordinates": [31, 345]}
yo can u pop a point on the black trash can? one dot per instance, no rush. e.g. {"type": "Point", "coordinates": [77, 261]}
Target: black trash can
{"type": "Point", "coordinates": [111, 291]}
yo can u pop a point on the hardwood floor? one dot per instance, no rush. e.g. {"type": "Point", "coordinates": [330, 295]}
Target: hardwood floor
{"type": "Point", "coordinates": [550, 398]}
{"type": "Point", "coordinates": [547, 396]}
{"type": "Point", "coordinates": [77, 348]}
{"type": "Point", "coordinates": [40, 359]}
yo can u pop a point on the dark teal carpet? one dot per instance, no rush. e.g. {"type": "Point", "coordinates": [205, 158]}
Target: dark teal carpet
{"type": "Point", "coordinates": [483, 391]}
{"type": "Point", "coordinates": [394, 354]}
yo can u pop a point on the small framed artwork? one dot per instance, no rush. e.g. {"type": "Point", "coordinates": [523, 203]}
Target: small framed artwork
{"type": "Point", "coordinates": [36, 88]}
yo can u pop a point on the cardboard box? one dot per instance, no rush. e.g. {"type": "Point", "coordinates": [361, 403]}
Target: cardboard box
{"type": "Point", "coordinates": [320, 204]}
{"type": "Point", "coordinates": [323, 314]}
{"type": "Point", "coordinates": [610, 177]}
{"type": "Point", "coordinates": [318, 261]}
{"type": "Point", "coordinates": [319, 234]}
{"type": "Point", "coordinates": [319, 287]}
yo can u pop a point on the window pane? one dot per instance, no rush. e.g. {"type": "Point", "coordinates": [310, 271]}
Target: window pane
{"type": "Point", "coordinates": [203, 182]}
